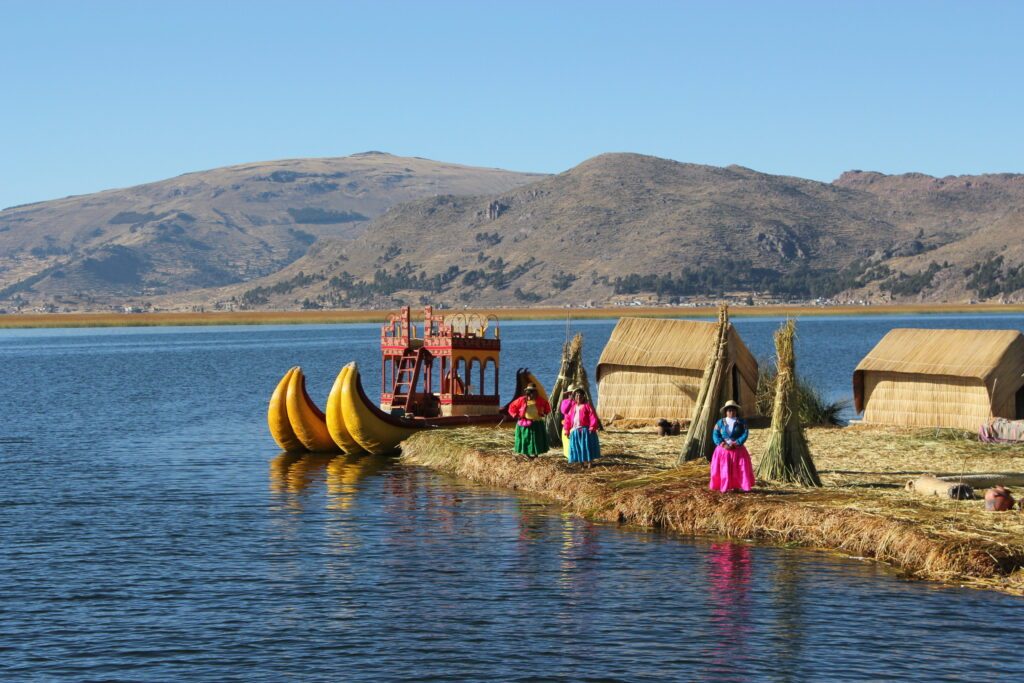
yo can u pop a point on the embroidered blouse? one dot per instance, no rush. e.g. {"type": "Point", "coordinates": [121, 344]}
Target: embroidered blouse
{"type": "Point", "coordinates": [738, 433]}
{"type": "Point", "coordinates": [582, 415]}
{"type": "Point", "coordinates": [519, 408]}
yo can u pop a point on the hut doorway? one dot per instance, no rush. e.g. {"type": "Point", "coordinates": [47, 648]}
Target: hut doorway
{"type": "Point", "coordinates": [734, 385]}
{"type": "Point", "coordinates": [1019, 405]}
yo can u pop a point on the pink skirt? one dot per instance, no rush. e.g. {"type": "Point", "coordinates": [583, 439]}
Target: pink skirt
{"type": "Point", "coordinates": [731, 470]}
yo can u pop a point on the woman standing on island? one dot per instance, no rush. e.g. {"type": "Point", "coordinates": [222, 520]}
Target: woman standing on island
{"type": "Point", "coordinates": [580, 426]}
{"type": "Point", "coordinates": [529, 410]}
{"type": "Point", "coordinates": [731, 468]}
{"type": "Point", "coordinates": [567, 404]}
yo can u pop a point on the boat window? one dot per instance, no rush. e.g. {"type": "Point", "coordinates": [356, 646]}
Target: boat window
{"type": "Point", "coordinates": [460, 376]}
{"type": "Point", "coordinates": [485, 377]}
{"type": "Point", "coordinates": [434, 371]}
{"type": "Point", "coordinates": [473, 378]}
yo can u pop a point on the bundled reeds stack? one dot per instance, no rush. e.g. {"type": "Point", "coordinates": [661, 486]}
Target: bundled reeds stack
{"type": "Point", "coordinates": [570, 372]}
{"type": "Point", "coordinates": [786, 457]}
{"type": "Point", "coordinates": [698, 441]}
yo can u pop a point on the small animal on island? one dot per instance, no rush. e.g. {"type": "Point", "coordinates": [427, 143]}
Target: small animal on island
{"type": "Point", "coordinates": [664, 427]}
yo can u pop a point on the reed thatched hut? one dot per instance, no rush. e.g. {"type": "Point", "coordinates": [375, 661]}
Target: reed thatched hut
{"type": "Point", "coordinates": [942, 378]}
{"type": "Point", "coordinates": [652, 369]}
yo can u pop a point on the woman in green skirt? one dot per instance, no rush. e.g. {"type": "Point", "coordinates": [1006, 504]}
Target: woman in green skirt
{"type": "Point", "coordinates": [529, 411]}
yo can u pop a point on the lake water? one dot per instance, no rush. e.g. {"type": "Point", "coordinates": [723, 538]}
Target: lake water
{"type": "Point", "coordinates": [152, 531]}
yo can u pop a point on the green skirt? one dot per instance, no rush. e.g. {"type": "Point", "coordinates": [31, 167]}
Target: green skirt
{"type": "Point", "coordinates": [532, 440]}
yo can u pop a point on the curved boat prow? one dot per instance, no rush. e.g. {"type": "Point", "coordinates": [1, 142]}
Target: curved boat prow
{"type": "Point", "coordinates": [308, 423]}
{"type": "Point", "coordinates": [336, 418]}
{"type": "Point", "coordinates": [277, 417]}
{"type": "Point", "coordinates": [373, 429]}
{"type": "Point", "coordinates": [524, 377]}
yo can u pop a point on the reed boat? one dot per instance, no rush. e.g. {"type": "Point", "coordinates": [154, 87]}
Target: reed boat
{"type": "Point", "coordinates": [445, 377]}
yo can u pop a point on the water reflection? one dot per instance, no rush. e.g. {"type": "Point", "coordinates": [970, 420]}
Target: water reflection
{"type": "Point", "coordinates": [729, 573]}
{"type": "Point", "coordinates": [295, 472]}
{"type": "Point", "coordinates": [279, 470]}
{"type": "Point", "coordinates": [345, 472]}
{"type": "Point", "coordinates": [791, 617]}
{"type": "Point", "coordinates": [579, 550]}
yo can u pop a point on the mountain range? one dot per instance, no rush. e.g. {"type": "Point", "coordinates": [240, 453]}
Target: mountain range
{"type": "Point", "coordinates": [211, 228]}
{"type": "Point", "coordinates": [378, 230]}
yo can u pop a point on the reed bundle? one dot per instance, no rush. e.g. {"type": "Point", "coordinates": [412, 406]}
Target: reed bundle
{"type": "Point", "coordinates": [570, 372]}
{"type": "Point", "coordinates": [786, 457]}
{"type": "Point", "coordinates": [698, 442]}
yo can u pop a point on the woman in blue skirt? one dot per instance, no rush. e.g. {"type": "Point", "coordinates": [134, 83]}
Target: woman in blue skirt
{"type": "Point", "coordinates": [580, 425]}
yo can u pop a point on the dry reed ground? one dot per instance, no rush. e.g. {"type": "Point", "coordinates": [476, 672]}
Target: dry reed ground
{"type": "Point", "coordinates": [861, 511]}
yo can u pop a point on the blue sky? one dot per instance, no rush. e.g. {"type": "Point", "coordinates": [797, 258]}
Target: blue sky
{"type": "Point", "coordinates": [95, 95]}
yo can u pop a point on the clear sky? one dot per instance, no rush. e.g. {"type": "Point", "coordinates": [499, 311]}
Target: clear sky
{"type": "Point", "coordinates": [95, 95]}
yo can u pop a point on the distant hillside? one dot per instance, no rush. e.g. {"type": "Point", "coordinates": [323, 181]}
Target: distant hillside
{"type": "Point", "coordinates": [625, 226]}
{"type": "Point", "coordinates": [212, 227]}
{"type": "Point", "coordinates": [969, 229]}
{"type": "Point", "coordinates": [616, 228]}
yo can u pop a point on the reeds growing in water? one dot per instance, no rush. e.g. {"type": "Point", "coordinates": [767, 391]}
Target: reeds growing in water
{"type": "Point", "coordinates": [811, 406]}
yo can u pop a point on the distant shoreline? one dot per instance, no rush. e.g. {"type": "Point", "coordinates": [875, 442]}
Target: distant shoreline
{"type": "Point", "coordinates": [163, 319]}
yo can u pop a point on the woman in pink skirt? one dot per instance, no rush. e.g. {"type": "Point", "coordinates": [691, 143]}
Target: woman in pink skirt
{"type": "Point", "coordinates": [730, 465]}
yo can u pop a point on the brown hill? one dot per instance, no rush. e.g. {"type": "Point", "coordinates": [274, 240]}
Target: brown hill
{"type": "Point", "coordinates": [213, 227]}
{"type": "Point", "coordinates": [626, 225]}
{"type": "Point", "coordinates": [620, 227]}
{"type": "Point", "coordinates": [969, 230]}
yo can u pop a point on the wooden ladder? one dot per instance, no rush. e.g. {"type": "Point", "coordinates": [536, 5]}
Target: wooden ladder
{"type": "Point", "coordinates": [406, 378]}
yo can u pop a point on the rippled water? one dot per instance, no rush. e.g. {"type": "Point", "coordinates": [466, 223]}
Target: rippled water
{"type": "Point", "coordinates": [151, 531]}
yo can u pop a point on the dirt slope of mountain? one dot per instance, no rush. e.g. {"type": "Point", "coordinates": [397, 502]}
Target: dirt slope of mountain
{"type": "Point", "coordinates": [968, 235]}
{"type": "Point", "coordinates": [616, 224]}
{"type": "Point", "coordinates": [618, 227]}
{"type": "Point", "coordinates": [625, 226]}
{"type": "Point", "coordinates": [213, 227]}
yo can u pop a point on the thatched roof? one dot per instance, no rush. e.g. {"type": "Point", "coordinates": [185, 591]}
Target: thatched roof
{"type": "Point", "coordinates": [658, 343]}
{"type": "Point", "coordinates": [991, 356]}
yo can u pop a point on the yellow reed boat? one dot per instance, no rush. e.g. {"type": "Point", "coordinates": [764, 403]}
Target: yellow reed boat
{"type": "Point", "coordinates": [446, 377]}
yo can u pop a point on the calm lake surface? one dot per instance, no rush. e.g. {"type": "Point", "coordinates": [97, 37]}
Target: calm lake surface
{"type": "Point", "coordinates": [151, 530]}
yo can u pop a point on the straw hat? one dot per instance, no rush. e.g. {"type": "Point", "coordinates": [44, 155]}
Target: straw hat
{"type": "Point", "coordinates": [571, 389]}
{"type": "Point", "coordinates": [731, 404]}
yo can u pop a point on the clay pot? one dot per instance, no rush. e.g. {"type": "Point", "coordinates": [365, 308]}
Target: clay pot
{"type": "Point", "coordinates": [998, 499]}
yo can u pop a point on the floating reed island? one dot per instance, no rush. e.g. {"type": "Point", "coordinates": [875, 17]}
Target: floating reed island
{"type": "Point", "coordinates": [861, 510]}
{"type": "Point", "coordinates": [860, 490]}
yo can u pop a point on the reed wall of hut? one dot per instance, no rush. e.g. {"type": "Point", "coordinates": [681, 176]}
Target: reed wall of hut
{"type": "Point", "coordinates": [942, 378]}
{"type": "Point", "coordinates": [651, 369]}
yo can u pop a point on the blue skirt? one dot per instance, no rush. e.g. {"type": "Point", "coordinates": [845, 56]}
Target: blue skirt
{"type": "Point", "coordinates": [583, 445]}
